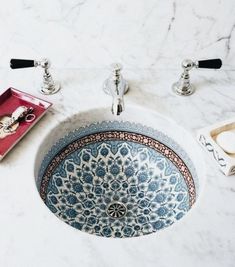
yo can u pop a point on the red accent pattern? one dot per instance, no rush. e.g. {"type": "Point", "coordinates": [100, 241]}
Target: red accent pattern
{"type": "Point", "coordinates": [121, 136]}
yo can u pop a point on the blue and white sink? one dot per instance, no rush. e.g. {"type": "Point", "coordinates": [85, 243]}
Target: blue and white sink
{"type": "Point", "coordinates": [119, 177]}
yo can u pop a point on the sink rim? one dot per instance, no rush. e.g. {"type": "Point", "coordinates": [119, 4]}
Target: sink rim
{"type": "Point", "coordinates": [120, 119]}
{"type": "Point", "coordinates": [44, 147]}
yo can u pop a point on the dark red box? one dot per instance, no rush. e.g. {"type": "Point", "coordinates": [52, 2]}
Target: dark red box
{"type": "Point", "coordinates": [10, 100]}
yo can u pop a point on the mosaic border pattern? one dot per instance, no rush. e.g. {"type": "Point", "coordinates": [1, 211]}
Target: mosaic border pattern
{"type": "Point", "coordinates": [104, 126]}
{"type": "Point", "coordinates": [122, 136]}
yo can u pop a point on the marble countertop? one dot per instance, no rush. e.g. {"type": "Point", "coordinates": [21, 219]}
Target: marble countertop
{"type": "Point", "coordinates": [82, 38]}
{"type": "Point", "coordinates": [36, 237]}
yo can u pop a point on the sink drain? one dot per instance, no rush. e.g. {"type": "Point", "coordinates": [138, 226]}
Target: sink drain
{"type": "Point", "coordinates": [116, 210]}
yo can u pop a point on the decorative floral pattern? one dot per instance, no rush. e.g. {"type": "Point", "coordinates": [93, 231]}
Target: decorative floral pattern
{"type": "Point", "coordinates": [140, 173]}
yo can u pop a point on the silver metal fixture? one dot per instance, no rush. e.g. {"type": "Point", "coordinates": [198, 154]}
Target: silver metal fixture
{"type": "Point", "coordinates": [49, 86]}
{"type": "Point", "coordinates": [183, 87]}
{"type": "Point", "coordinates": [20, 113]}
{"type": "Point", "coordinates": [116, 210]}
{"type": "Point", "coordinates": [116, 86]}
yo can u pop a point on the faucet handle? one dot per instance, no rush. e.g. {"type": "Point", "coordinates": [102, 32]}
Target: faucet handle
{"type": "Point", "coordinates": [116, 67]}
{"type": "Point", "coordinates": [49, 86]}
{"type": "Point", "coordinates": [16, 63]}
{"type": "Point", "coordinates": [184, 87]}
{"type": "Point", "coordinates": [215, 63]}
{"type": "Point", "coordinates": [21, 63]}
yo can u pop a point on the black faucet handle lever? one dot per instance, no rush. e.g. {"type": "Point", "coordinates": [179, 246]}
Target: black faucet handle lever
{"type": "Point", "coordinates": [215, 63]}
{"type": "Point", "coordinates": [21, 63]}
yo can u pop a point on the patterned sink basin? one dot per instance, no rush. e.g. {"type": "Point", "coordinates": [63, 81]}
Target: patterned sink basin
{"type": "Point", "coordinates": [120, 177]}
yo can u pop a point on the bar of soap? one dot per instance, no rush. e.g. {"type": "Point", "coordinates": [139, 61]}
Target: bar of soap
{"type": "Point", "coordinates": [226, 140]}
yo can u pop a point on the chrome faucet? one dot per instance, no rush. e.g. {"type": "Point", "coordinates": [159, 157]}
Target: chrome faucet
{"type": "Point", "coordinates": [183, 86]}
{"type": "Point", "coordinates": [116, 86]}
{"type": "Point", "coordinates": [49, 86]}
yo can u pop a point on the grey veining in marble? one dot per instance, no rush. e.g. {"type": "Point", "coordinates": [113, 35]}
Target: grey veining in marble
{"type": "Point", "coordinates": [93, 33]}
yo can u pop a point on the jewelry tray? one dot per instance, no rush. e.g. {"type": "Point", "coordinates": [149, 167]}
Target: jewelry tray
{"type": "Point", "coordinates": [9, 101]}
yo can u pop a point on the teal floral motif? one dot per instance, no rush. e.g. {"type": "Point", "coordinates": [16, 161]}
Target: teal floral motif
{"type": "Point", "coordinates": [89, 179]}
{"type": "Point", "coordinates": [160, 197]}
{"type": "Point", "coordinates": [70, 167]}
{"type": "Point", "coordinates": [115, 169]}
{"type": "Point", "coordinates": [124, 151]}
{"type": "Point", "coordinates": [100, 172]}
{"type": "Point", "coordinates": [86, 157]}
{"type": "Point", "coordinates": [104, 152]}
{"type": "Point", "coordinates": [58, 182]}
{"type": "Point", "coordinates": [173, 179]}
{"type": "Point", "coordinates": [142, 177]}
{"type": "Point", "coordinates": [129, 171]}
{"type": "Point", "coordinates": [71, 213]}
{"type": "Point", "coordinates": [77, 187]}
{"type": "Point", "coordinates": [72, 199]}
{"type": "Point", "coordinates": [53, 200]}
{"type": "Point", "coordinates": [158, 225]}
{"type": "Point", "coordinates": [162, 211]}
{"type": "Point", "coordinates": [107, 231]}
{"type": "Point", "coordinates": [153, 186]}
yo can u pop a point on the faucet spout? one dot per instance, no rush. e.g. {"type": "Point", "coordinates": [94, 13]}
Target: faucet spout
{"type": "Point", "coordinates": [116, 86]}
{"type": "Point", "coordinates": [117, 105]}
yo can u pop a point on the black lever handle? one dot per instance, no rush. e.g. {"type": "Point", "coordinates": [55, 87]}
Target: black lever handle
{"type": "Point", "coordinates": [210, 63]}
{"type": "Point", "coordinates": [21, 63]}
